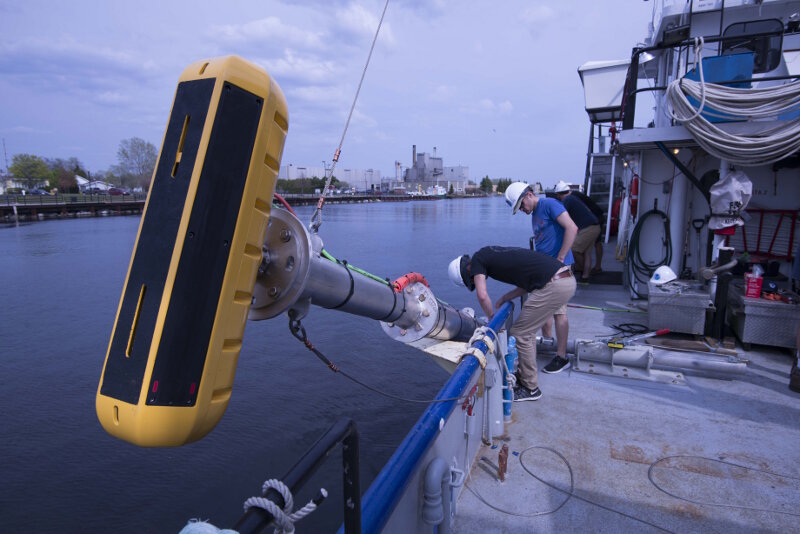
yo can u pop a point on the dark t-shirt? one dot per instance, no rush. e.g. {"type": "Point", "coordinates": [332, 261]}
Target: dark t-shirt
{"type": "Point", "coordinates": [520, 267]}
{"type": "Point", "coordinates": [578, 212]}
{"type": "Point", "coordinates": [591, 204]}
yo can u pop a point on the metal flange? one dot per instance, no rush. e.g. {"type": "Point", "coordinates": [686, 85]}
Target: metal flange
{"type": "Point", "coordinates": [285, 267]}
{"type": "Point", "coordinates": [419, 318]}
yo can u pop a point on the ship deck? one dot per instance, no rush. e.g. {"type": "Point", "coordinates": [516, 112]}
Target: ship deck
{"type": "Point", "coordinates": [725, 452]}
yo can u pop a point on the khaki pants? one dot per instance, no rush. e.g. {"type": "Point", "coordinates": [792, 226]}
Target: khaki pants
{"type": "Point", "coordinates": [539, 306]}
{"type": "Point", "coordinates": [583, 244]}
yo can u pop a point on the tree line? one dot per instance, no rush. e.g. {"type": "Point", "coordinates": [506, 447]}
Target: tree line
{"type": "Point", "coordinates": [136, 161]}
{"type": "Point", "coordinates": [487, 184]}
{"type": "Point", "coordinates": [307, 185]}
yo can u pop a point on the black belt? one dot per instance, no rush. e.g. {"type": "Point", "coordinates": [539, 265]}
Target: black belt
{"type": "Point", "coordinates": [562, 274]}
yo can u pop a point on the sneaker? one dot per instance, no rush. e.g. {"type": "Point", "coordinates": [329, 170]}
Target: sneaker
{"type": "Point", "coordinates": [521, 393]}
{"type": "Point", "coordinates": [557, 365]}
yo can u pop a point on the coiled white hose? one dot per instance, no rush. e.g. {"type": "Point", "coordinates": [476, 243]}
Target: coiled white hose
{"type": "Point", "coordinates": [768, 145]}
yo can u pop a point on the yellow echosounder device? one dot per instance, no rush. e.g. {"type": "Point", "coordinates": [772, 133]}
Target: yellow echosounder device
{"type": "Point", "coordinates": [169, 369]}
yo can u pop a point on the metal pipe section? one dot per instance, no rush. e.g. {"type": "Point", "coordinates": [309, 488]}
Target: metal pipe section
{"type": "Point", "coordinates": [387, 489]}
{"type": "Point", "coordinates": [711, 363]}
{"type": "Point", "coordinates": [294, 274]}
{"type": "Point", "coordinates": [598, 351]}
{"type": "Point", "coordinates": [436, 495]}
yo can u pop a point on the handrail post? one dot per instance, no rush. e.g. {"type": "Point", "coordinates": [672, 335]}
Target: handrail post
{"type": "Point", "coordinates": [351, 473]}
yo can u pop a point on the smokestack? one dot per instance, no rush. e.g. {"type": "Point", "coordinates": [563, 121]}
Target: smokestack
{"type": "Point", "coordinates": [414, 156]}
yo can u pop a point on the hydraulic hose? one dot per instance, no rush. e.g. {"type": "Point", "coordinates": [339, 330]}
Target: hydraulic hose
{"type": "Point", "coordinates": [639, 269]}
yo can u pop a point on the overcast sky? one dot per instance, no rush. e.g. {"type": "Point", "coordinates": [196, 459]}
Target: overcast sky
{"type": "Point", "coordinates": [492, 84]}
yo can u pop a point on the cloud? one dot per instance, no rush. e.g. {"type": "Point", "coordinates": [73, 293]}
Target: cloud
{"type": "Point", "coordinates": [317, 94]}
{"type": "Point", "coordinates": [269, 31]}
{"type": "Point", "coordinates": [487, 105]}
{"type": "Point", "coordinates": [357, 21]}
{"type": "Point", "coordinates": [442, 93]}
{"type": "Point", "coordinates": [25, 130]}
{"type": "Point", "coordinates": [537, 14]}
{"type": "Point", "coordinates": [112, 97]}
{"type": "Point", "coordinates": [363, 120]}
{"type": "Point", "coordinates": [298, 67]}
{"type": "Point", "coordinates": [68, 64]}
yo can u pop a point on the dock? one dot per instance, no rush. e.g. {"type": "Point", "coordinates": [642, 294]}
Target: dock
{"type": "Point", "coordinates": [36, 207]}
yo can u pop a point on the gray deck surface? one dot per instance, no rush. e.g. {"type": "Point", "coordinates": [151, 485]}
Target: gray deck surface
{"type": "Point", "coordinates": [611, 430]}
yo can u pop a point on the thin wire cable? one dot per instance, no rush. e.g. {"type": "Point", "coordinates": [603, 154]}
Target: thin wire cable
{"type": "Point", "coordinates": [533, 514]}
{"type": "Point", "coordinates": [299, 332]}
{"type": "Point", "coordinates": [721, 505]}
{"type": "Point", "coordinates": [316, 218]}
{"type": "Point", "coordinates": [570, 493]}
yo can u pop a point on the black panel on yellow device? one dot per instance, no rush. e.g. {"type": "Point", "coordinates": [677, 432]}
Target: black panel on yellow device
{"type": "Point", "coordinates": [125, 366]}
{"type": "Point", "coordinates": [169, 370]}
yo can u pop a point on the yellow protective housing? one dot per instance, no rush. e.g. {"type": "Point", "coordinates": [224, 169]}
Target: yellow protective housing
{"type": "Point", "coordinates": [171, 360]}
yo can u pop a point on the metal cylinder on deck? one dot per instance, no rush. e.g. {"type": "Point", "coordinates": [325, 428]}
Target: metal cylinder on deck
{"type": "Point", "coordinates": [645, 357]}
{"type": "Point", "coordinates": [294, 274]}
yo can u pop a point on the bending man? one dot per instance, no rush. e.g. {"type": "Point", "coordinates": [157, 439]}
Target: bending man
{"type": "Point", "coordinates": [547, 282]}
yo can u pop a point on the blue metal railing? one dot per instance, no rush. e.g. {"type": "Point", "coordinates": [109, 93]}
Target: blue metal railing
{"type": "Point", "coordinates": [387, 489]}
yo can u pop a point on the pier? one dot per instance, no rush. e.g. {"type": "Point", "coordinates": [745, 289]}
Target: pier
{"type": "Point", "coordinates": [37, 207]}
{"type": "Point", "coordinates": [33, 207]}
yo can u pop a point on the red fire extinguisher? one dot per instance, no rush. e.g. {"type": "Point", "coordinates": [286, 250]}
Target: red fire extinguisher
{"type": "Point", "coordinates": [614, 226]}
{"type": "Point", "coordinates": [634, 194]}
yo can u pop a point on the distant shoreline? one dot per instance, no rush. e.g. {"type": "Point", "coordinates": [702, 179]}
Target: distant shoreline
{"type": "Point", "coordinates": [31, 208]}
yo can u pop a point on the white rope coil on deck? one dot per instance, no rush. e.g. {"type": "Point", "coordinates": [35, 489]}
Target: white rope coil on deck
{"type": "Point", "coordinates": [284, 518]}
{"type": "Point", "coordinates": [766, 146]}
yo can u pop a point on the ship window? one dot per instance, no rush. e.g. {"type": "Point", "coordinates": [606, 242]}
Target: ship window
{"type": "Point", "coordinates": [766, 48]}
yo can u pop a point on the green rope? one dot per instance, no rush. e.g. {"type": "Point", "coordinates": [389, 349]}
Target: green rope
{"type": "Point", "coordinates": [325, 254]}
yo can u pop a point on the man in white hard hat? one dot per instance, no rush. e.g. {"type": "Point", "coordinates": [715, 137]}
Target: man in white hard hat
{"type": "Point", "coordinates": [547, 282]}
{"type": "Point", "coordinates": [588, 228]}
{"type": "Point", "coordinates": [553, 234]}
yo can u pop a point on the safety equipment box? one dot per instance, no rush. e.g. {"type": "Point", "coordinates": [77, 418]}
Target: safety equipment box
{"type": "Point", "coordinates": [761, 321]}
{"type": "Point", "coordinates": [679, 306]}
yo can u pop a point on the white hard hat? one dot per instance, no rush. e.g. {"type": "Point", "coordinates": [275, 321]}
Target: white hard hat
{"type": "Point", "coordinates": [662, 275]}
{"type": "Point", "coordinates": [457, 272]}
{"type": "Point", "coordinates": [561, 187]}
{"type": "Point", "coordinates": [514, 194]}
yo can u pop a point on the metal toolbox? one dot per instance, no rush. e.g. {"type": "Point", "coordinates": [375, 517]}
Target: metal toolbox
{"type": "Point", "coordinates": [761, 321]}
{"type": "Point", "coordinates": [679, 306]}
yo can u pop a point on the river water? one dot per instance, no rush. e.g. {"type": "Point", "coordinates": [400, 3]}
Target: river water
{"type": "Point", "coordinates": [60, 284]}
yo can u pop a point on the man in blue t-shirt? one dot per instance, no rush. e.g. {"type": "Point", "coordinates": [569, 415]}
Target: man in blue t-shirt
{"type": "Point", "coordinates": [553, 234]}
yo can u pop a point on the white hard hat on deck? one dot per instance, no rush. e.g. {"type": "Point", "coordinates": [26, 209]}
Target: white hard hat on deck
{"type": "Point", "coordinates": [662, 275]}
{"type": "Point", "coordinates": [515, 193]}
{"type": "Point", "coordinates": [561, 187]}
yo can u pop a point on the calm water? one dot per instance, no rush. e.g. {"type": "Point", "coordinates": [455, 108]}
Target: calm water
{"type": "Point", "coordinates": [60, 284]}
